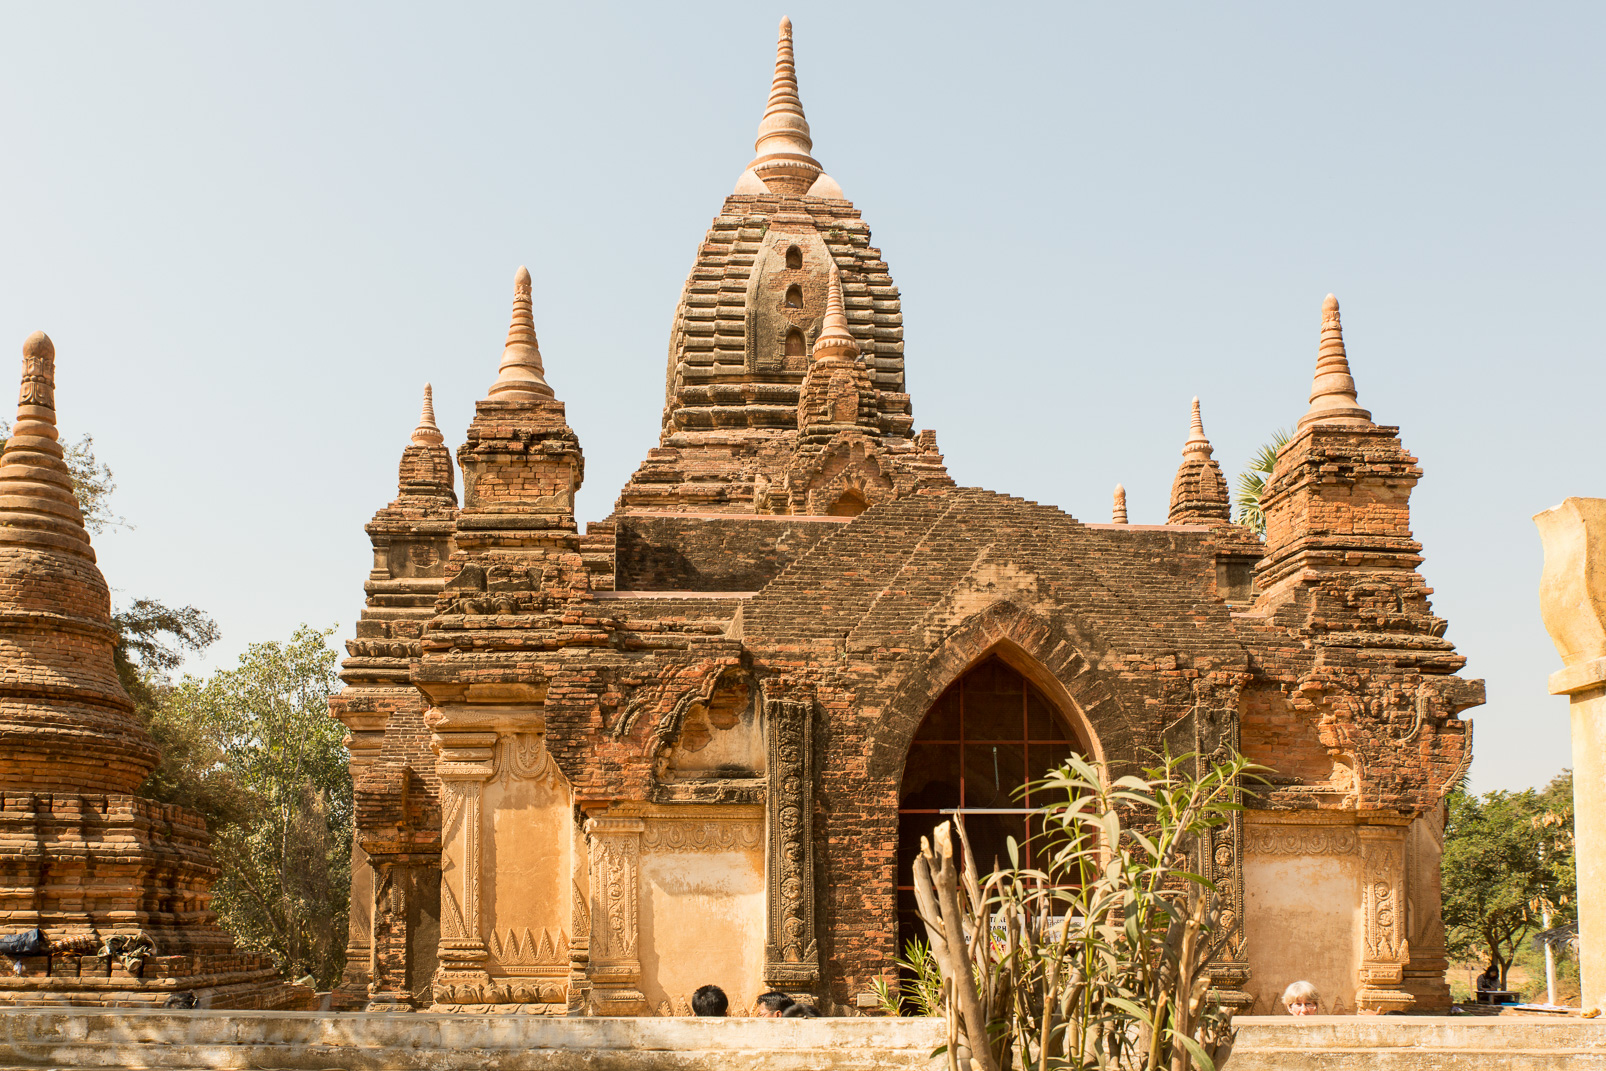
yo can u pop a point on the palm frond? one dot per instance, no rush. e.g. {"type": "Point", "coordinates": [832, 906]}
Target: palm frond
{"type": "Point", "coordinates": [1253, 479]}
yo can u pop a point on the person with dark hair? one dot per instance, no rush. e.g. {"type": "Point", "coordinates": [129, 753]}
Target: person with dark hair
{"type": "Point", "coordinates": [709, 1000]}
{"type": "Point", "coordinates": [800, 1011]}
{"type": "Point", "coordinates": [772, 1005]}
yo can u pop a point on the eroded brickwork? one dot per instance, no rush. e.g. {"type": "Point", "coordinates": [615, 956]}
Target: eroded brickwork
{"type": "Point", "coordinates": [81, 857]}
{"type": "Point", "coordinates": [395, 905]}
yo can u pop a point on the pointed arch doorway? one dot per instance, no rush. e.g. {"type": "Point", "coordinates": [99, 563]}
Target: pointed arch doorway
{"type": "Point", "coordinates": [989, 735]}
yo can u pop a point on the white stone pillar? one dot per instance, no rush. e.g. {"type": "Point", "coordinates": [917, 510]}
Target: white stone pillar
{"type": "Point", "coordinates": [1572, 602]}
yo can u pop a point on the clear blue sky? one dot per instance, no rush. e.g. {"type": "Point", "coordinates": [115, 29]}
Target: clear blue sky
{"type": "Point", "coordinates": [254, 231]}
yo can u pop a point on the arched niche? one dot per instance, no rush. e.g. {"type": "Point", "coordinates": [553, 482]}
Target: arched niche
{"type": "Point", "coordinates": [990, 734]}
{"type": "Point", "coordinates": [850, 504]}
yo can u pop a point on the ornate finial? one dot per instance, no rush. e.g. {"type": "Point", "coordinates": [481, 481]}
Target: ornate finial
{"type": "Point", "coordinates": [1332, 391]}
{"type": "Point", "coordinates": [1197, 445]}
{"type": "Point", "coordinates": [427, 434]}
{"type": "Point", "coordinates": [835, 340]}
{"type": "Point", "coordinates": [36, 402]}
{"type": "Point", "coordinates": [1118, 513]}
{"type": "Point", "coordinates": [784, 159]}
{"type": "Point", "coordinates": [520, 377]}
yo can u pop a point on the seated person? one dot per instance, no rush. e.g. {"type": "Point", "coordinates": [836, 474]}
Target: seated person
{"type": "Point", "coordinates": [800, 1011]}
{"type": "Point", "coordinates": [772, 1005]}
{"type": "Point", "coordinates": [1300, 999]}
{"type": "Point", "coordinates": [1489, 980]}
{"type": "Point", "coordinates": [709, 1000]}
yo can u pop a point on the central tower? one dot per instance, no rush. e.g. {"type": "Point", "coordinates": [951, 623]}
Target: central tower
{"type": "Point", "coordinates": [743, 342]}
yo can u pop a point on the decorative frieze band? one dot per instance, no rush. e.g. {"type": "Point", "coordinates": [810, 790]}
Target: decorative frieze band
{"type": "Point", "coordinates": [705, 835]}
{"type": "Point", "coordinates": [1302, 840]}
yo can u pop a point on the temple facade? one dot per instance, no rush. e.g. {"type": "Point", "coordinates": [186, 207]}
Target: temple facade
{"type": "Point", "coordinates": [699, 741]}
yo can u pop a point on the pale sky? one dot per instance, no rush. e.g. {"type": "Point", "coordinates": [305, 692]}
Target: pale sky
{"type": "Point", "coordinates": [254, 232]}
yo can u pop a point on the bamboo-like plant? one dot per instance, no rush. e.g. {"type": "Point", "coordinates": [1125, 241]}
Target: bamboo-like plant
{"type": "Point", "coordinates": [1099, 957]}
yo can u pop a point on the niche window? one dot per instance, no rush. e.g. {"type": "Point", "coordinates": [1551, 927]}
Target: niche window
{"type": "Point", "coordinates": [794, 343]}
{"type": "Point", "coordinates": [794, 257]}
{"type": "Point", "coordinates": [794, 297]}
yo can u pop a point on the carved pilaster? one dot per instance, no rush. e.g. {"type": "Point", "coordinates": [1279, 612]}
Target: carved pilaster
{"type": "Point", "coordinates": [1215, 741]}
{"type": "Point", "coordinates": [467, 761]}
{"type": "Point", "coordinates": [1424, 917]}
{"type": "Point", "coordinates": [1387, 950]}
{"type": "Point", "coordinates": [791, 954]}
{"type": "Point", "coordinates": [615, 954]}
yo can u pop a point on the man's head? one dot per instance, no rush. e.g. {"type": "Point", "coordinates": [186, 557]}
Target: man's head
{"type": "Point", "coordinates": [800, 1011]}
{"type": "Point", "coordinates": [772, 1005]}
{"type": "Point", "coordinates": [709, 1000]}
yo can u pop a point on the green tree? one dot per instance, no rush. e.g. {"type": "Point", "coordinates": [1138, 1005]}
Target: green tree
{"type": "Point", "coordinates": [263, 754]}
{"type": "Point", "coordinates": [1504, 864]}
{"type": "Point", "coordinates": [1252, 481]}
{"type": "Point", "coordinates": [152, 640]}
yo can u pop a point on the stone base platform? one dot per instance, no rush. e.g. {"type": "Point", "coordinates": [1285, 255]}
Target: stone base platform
{"type": "Point", "coordinates": [301, 1041]}
{"type": "Point", "coordinates": [1417, 1043]}
{"type": "Point", "coordinates": [84, 1038]}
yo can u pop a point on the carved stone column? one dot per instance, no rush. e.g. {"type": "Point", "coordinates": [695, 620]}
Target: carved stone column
{"type": "Point", "coordinates": [1215, 741]}
{"type": "Point", "coordinates": [792, 962]}
{"type": "Point", "coordinates": [1386, 950]}
{"type": "Point", "coordinates": [467, 761]}
{"type": "Point", "coordinates": [615, 947]}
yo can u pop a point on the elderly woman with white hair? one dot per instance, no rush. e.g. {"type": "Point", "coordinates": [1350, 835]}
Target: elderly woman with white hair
{"type": "Point", "coordinates": [1300, 999]}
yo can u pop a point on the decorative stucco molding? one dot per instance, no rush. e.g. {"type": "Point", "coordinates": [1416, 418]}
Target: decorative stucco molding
{"type": "Point", "coordinates": [701, 835]}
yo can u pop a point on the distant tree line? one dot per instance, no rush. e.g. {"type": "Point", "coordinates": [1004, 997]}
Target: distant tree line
{"type": "Point", "coordinates": [1508, 863]}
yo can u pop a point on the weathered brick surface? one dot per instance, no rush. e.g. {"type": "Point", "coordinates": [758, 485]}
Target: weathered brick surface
{"type": "Point", "coordinates": [692, 552]}
{"type": "Point", "coordinates": [732, 399]}
{"type": "Point", "coordinates": [81, 857]}
{"type": "Point", "coordinates": [396, 790]}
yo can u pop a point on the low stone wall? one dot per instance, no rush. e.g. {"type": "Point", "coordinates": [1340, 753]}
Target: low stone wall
{"type": "Point", "coordinates": [41, 1037]}
{"type": "Point", "coordinates": [300, 1041]}
{"type": "Point", "coordinates": [1418, 1043]}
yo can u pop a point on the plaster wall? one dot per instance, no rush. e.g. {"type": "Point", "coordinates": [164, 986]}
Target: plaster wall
{"type": "Point", "coordinates": [702, 912]}
{"type": "Point", "coordinates": [528, 868]}
{"type": "Point", "coordinates": [1302, 921]}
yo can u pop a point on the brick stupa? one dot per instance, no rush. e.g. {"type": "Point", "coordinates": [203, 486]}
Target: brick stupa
{"type": "Point", "coordinates": [81, 856]}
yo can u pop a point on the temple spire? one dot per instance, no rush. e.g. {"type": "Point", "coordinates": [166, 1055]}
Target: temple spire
{"type": "Point", "coordinates": [784, 160]}
{"type": "Point", "coordinates": [1199, 492]}
{"type": "Point", "coordinates": [835, 340]}
{"type": "Point", "coordinates": [37, 504]}
{"type": "Point", "coordinates": [1118, 511]}
{"type": "Point", "coordinates": [427, 434]}
{"type": "Point", "coordinates": [521, 377]}
{"type": "Point", "coordinates": [1332, 391]}
{"type": "Point", "coordinates": [1197, 445]}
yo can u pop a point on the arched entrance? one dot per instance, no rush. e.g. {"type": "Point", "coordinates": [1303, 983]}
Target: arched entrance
{"type": "Point", "coordinates": [981, 743]}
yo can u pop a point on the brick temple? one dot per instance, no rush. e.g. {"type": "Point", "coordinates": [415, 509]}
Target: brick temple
{"type": "Point", "coordinates": [698, 741]}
